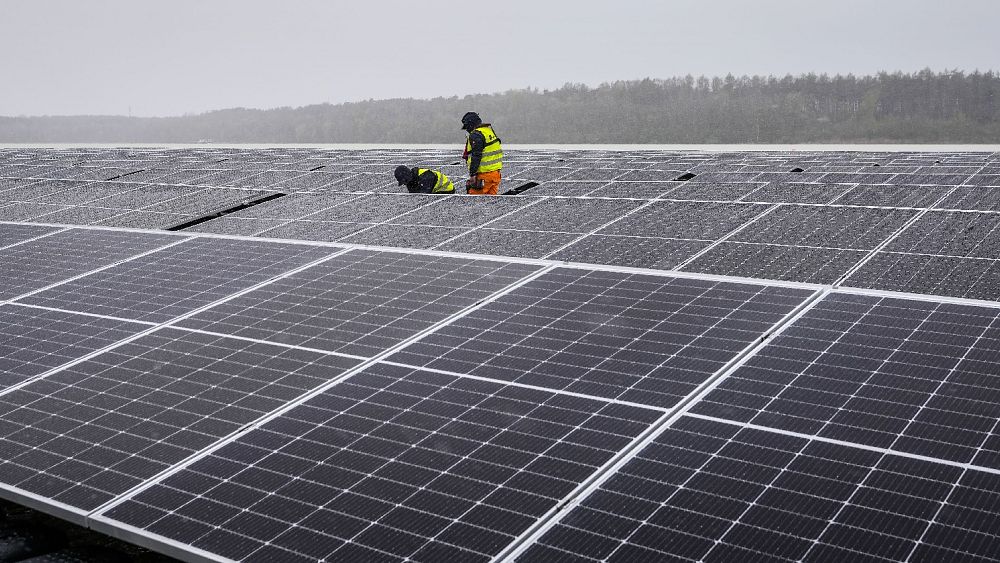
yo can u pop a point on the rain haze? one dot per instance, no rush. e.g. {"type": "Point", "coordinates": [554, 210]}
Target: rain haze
{"type": "Point", "coordinates": [121, 57]}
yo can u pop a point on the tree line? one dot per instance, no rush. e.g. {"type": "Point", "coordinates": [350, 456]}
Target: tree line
{"type": "Point", "coordinates": [921, 107]}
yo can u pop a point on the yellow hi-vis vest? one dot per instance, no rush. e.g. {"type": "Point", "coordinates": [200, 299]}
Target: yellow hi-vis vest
{"type": "Point", "coordinates": [492, 152]}
{"type": "Point", "coordinates": [443, 184]}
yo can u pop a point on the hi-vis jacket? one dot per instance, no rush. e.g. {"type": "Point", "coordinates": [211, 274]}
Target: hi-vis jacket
{"type": "Point", "coordinates": [492, 158]}
{"type": "Point", "coordinates": [442, 186]}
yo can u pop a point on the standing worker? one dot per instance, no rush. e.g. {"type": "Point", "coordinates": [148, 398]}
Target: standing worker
{"type": "Point", "coordinates": [423, 181]}
{"type": "Point", "coordinates": [483, 154]}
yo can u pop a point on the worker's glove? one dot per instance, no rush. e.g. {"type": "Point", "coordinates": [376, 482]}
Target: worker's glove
{"type": "Point", "coordinates": [473, 182]}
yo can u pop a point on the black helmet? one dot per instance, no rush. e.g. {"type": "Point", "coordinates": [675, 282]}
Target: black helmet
{"type": "Point", "coordinates": [403, 174]}
{"type": "Point", "coordinates": [471, 120]}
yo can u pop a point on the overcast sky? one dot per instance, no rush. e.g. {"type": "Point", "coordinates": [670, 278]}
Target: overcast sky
{"type": "Point", "coordinates": [171, 57]}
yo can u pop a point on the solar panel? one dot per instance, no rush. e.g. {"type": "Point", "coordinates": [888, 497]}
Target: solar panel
{"type": "Point", "coordinates": [79, 215]}
{"type": "Point", "coordinates": [713, 191]}
{"type": "Point", "coordinates": [567, 215]}
{"type": "Point", "coordinates": [796, 193]}
{"type": "Point", "coordinates": [712, 491]}
{"type": "Point", "coordinates": [404, 236]}
{"type": "Point", "coordinates": [646, 339]}
{"type": "Point", "coordinates": [13, 233]}
{"type": "Point", "coordinates": [144, 220]}
{"type": "Point", "coordinates": [33, 341]}
{"type": "Point", "coordinates": [639, 190]}
{"type": "Point", "coordinates": [361, 302]}
{"type": "Point", "coordinates": [25, 211]}
{"type": "Point", "coordinates": [865, 428]}
{"type": "Point", "coordinates": [179, 279]}
{"type": "Point", "coordinates": [944, 253]}
{"type": "Point", "coordinates": [392, 463]}
{"type": "Point", "coordinates": [914, 377]}
{"type": "Point", "coordinates": [893, 196]}
{"type": "Point", "coordinates": [685, 220]}
{"type": "Point", "coordinates": [777, 262]}
{"type": "Point", "coordinates": [463, 211]}
{"type": "Point", "coordinates": [831, 227]}
{"type": "Point", "coordinates": [979, 198]}
{"type": "Point", "coordinates": [373, 208]}
{"type": "Point", "coordinates": [508, 242]}
{"type": "Point", "coordinates": [630, 251]}
{"type": "Point", "coordinates": [94, 430]}
{"type": "Point", "coordinates": [60, 256]}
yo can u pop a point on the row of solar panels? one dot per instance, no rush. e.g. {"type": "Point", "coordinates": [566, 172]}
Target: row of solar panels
{"type": "Point", "coordinates": [260, 401]}
{"type": "Point", "coordinates": [918, 250]}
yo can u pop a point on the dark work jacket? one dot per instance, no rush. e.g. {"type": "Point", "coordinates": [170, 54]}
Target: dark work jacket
{"type": "Point", "coordinates": [477, 142]}
{"type": "Point", "coordinates": [422, 184]}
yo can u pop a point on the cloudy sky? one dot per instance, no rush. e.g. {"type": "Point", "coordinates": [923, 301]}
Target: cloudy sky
{"type": "Point", "coordinates": [171, 57]}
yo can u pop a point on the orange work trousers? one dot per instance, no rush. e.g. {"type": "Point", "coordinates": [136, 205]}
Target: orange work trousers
{"type": "Point", "coordinates": [491, 183]}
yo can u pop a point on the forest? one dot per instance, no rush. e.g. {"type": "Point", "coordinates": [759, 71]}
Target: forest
{"type": "Point", "coordinates": [922, 107]}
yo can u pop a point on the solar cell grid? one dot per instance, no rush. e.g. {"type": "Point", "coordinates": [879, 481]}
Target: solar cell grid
{"type": "Point", "coordinates": [796, 193]}
{"type": "Point", "coordinates": [565, 189]}
{"type": "Point", "coordinates": [25, 211]}
{"type": "Point", "coordinates": [712, 191]}
{"type": "Point", "coordinates": [914, 377]}
{"type": "Point", "coordinates": [293, 206]}
{"type": "Point", "coordinates": [13, 233]}
{"type": "Point", "coordinates": [144, 220]}
{"type": "Point", "coordinates": [393, 463]}
{"type": "Point", "coordinates": [60, 256]}
{"type": "Point", "coordinates": [567, 215]}
{"type": "Point", "coordinates": [32, 341]}
{"type": "Point", "coordinates": [508, 242]}
{"type": "Point", "coordinates": [970, 278]}
{"type": "Point", "coordinates": [777, 262]}
{"type": "Point", "coordinates": [979, 198]}
{"type": "Point", "coordinates": [463, 211]}
{"type": "Point", "coordinates": [709, 491]}
{"type": "Point", "coordinates": [646, 339]}
{"type": "Point", "coordinates": [639, 190]}
{"type": "Point", "coordinates": [403, 236]}
{"type": "Point", "coordinates": [630, 251]}
{"type": "Point", "coordinates": [374, 208]}
{"type": "Point", "coordinates": [44, 191]}
{"type": "Point", "coordinates": [235, 226]}
{"type": "Point", "coordinates": [593, 174]}
{"type": "Point", "coordinates": [324, 231]}
{"type": "Point", "coordinates": [991, 178]}
{"type": "Point", "coordinates": [78, 215]}
{"type": "Point", "coordinates": [361, 302]}
{"type": "Point", "coordinates": [141, 196]}
{"type": "Point", "coordinates": [902, 195]}
{"type": "Point", "coordinates": [830, 227]}
{"type": "Point", "coordinates": [685, 220]}
{"type": "Point", "coordinates": [179, 279]}
{"type": "Point", "coordinates": [951, 233]}
{"type": "Point", "coordinates": [92, 431]}
{"type": "Point", "coordinates": [206, 201]}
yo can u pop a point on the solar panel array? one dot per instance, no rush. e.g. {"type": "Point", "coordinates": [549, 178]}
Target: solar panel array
{"type": "Point", "coordinates": [647, 356]}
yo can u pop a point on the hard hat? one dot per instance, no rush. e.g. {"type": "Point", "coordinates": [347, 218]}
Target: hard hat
{"type": "Point", "coordinates": [471, 120]}
{"type": "Point", "coordinates": [403, 174]}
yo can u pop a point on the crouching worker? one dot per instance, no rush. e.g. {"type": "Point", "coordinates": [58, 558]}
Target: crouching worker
{"type": "Point", "coordinates": [423, 181]}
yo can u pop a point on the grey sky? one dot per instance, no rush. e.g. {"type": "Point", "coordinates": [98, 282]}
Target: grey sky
{"type": "Point", "coordinates": [169, 57]}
